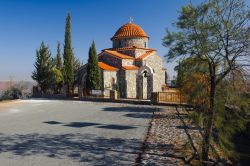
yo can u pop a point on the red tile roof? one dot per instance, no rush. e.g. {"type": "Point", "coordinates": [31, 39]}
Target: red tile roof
{"type": "Point", "coordinates": [104, 66]}
{"type": "Point", "coordinates": [129, 30]}
{"type": "Point", "coordinates": [124, 56]}
{"type": "Point", "coordinates": [118, 55]}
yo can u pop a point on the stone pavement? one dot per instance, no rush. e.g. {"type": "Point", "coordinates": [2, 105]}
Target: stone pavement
{"type": "Point", "coordinates": [172, 139]}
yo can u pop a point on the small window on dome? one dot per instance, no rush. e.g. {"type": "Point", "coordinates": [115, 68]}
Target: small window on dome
{"type": "Point", "coordinates": [145, 44]}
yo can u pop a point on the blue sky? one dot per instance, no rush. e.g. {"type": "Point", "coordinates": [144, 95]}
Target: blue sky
{"type": "Point", "coordinates": [24, 24]}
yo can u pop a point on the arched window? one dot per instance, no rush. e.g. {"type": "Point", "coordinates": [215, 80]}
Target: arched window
{"type": "Point", "coordinates": [145, 44]}
{"type": "Point", "coordinates": [145, 73]}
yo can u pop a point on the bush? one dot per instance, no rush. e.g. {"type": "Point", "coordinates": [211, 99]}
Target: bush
{"type": "Point", "coordinates": [12, 93]}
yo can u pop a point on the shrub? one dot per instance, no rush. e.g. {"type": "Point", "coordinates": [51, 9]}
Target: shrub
{"type": "Point", "coordinates": [12, 93]}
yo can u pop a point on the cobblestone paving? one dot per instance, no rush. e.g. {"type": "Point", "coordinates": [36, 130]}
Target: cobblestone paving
{"type": "Point", "coordinates": [172, 139]}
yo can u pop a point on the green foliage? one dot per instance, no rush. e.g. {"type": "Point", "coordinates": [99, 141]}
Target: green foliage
{"type": "Point", "coordinates": [231, 118]}
{"type": "Point", "coordinates": [12, 93]}
{"type": "Point", "coordinates": [57, 71]}
{"type": "Point", "coordinates": [93, 71]}
{"type": "Point", "coordinates": [188, 67]}
{"type": "Point", "coordinates": [68, 59]}
{"type": "Point", "coordinates": [58, 77]}
{"type": "Point", "coordinates": [232, 104]}
{"type": "Point", "coordinates": [217, 33]}
{"type": "Point", "coordinates": [43, 74]}
{"type": "Point", "coordinates": [76, 65]}
{"type": "Point", "coordinates": [58, 59]}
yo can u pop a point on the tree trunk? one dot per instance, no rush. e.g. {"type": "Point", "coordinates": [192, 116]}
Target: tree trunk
{"type": "Point", "coordinates": [68, 90]}
{"type": "Point", "coordinates": [208, 128]}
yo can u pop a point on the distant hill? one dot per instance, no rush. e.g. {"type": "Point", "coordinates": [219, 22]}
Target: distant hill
{"type": "Point", "coordinates": [4, 85]}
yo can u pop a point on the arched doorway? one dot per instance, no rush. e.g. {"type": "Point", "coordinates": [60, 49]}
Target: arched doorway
{"type": "Point", "coordinates": [144, 82]}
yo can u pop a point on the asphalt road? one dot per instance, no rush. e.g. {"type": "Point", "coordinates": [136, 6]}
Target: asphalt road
{"type": "Point", "coordinates": [51, 132]}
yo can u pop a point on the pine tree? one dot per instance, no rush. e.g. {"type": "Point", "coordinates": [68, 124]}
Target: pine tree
{"type": "Point", "coordinates": [93, 70]}
{"type": "Point", "coordinates": [217, 33]}
{"type": "Point", "coordinates": [68, 71]}
{"type": "Point", "coordinates": [43, 68]}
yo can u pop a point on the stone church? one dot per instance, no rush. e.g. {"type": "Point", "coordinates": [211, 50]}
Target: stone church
{"type": "Point", "coordinates": [130, 65]}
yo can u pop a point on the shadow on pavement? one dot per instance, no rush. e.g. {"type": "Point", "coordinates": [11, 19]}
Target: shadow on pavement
{"type": "Point", "coordinates": [131, 109]}
{"type": "Point", "coordinates": [88, 124]}
{"type": "Point", "coordinates": [85, 148]}
{"type": "Point", "coordinates": [117, 127]}
{"type": "Point", "coordinates": [139, 115]}
{"type": "Point", "coordinates": [134, 112]}
{"type": "Point", "coordinates": [52, 122]}
{"type": "Point", "coordinates": [81, 124]}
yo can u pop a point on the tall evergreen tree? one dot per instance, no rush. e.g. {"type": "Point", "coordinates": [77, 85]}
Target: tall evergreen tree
{"type": "Point", "coordinates": [93, 70]}
{"type": "Point", "coordinates": [58, 57]}
{"type": "Point", "coordinates": [43, 68]}
{"type": "Point", "coordinates": [68, 71]}
{"type": "Point", "coordinates": [57, 71]}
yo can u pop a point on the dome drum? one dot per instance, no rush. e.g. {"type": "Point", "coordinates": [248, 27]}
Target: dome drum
{"type": "Point", "coordinates": [131, 42]}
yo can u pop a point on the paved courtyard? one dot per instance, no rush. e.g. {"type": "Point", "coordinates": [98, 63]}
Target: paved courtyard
{"type": "Point", "coordinates": [53, 132]}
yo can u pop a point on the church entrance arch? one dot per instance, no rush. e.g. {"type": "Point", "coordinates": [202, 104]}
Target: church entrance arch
{"type": "Point", "coordinates": [144, 82]}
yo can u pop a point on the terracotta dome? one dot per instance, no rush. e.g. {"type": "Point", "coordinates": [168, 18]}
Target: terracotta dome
{"type": "Point", "coordinates": [129, 30]}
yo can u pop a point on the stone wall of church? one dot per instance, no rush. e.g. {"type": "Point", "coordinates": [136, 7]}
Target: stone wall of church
{"type": "Point", "coordinates": [133, 52]}
{"type": "Point", "coordinates": [131, 83]}
{"type": "Point", "coordinates": [139, 52]}
{"type": "Point", "coordinates": [110, 60]}
{"type": "Point", "coordinates": [109, 79]}
{"type": "Point", "coordinates": [130, 42]}
{"type": "Point", "coordinates": [127, 62]}
{"type": "Point", "coordinates": [122, 83]}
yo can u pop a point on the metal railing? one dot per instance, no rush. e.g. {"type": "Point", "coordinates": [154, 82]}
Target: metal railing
{"type": "Point", "coordinates": [168, 97]}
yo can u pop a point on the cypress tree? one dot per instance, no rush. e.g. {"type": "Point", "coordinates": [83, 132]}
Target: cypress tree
{"type": "Point", "coordinates": [58, 57]}
{"type": "Point", "coordinates": [93, 70]}
{"type": "Point", "coordinates": [68, 71]}
{"type": "Point", "coordinates": [57, 71]}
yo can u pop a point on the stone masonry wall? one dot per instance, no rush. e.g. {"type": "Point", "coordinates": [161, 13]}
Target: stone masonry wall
{"type": "Point", "coordinates": [130, 42]}
{"type": "Point", "coordinates": [133, 52]}
{"type": "Point", "coordinates": [127, 62]}
{"type": "Point", "coordinates": [108, 77]}
{"type": "Point", "coordinates": [131, 83]}
{"type": "Point", "coordinates": [122, 83]}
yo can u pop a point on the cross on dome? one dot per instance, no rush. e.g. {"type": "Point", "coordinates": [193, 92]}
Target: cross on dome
{"type": "Point", "coordinates": [131, 19]}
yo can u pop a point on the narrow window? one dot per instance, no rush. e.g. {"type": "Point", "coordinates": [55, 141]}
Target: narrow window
{"type": "Point", "coordinates": [145, 44]}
